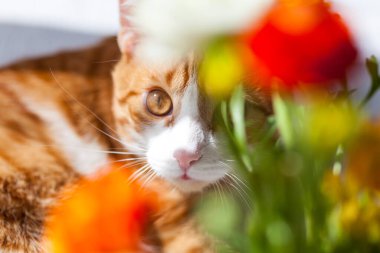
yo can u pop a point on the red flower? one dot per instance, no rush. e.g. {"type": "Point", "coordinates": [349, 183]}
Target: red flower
{"type": "Point", "coordinates": [302, 43]}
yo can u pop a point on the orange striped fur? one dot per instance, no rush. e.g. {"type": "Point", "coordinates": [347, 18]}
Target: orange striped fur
{"type": "Point", "coordinates": [63, 117]}
{"type": "Point", "coordinates": [34, 167]}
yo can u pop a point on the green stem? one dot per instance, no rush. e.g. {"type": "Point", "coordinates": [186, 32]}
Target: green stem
{"type": "Point", "coordinates": [372, 68]}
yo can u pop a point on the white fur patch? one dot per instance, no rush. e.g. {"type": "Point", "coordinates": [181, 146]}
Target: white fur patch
{"type": "Point", "coordinates": [85, 154]}
{"type": "Point", "coordinates": [187, 134]}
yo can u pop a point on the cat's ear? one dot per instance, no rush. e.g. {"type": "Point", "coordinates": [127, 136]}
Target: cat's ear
{"type": "Point", "coordinates": [127, 36]}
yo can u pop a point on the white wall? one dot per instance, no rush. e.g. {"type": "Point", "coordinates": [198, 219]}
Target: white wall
{"type": "Point", "coordinates": [101, 16]}
{"type": "Point", "coordinates": [363, 17]}
{"type": "Point", "coordinates": [90, 16]}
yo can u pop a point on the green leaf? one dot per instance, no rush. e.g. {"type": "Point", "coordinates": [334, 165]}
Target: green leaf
{"type": "Point", "coordinates": [283, 119]}
{"type": "Point", "coordinates": [373, 70]}
{"type": "Point", "coordinates": [237, 115]}
{"type": "Point", "coordinates": [224, 114]}
{"type": "Point", "coordinates": [237, 104]}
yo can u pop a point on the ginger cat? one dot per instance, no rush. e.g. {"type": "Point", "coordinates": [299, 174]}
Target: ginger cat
{"type": "Point", "coordinates": [63, 117]}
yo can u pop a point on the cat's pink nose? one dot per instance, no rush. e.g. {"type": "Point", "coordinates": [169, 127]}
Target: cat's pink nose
{"type": "Point", "coordinates": [185, 158]}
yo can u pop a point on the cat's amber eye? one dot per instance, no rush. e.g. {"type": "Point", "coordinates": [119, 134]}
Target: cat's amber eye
{"type": "Point", "coordinates": [158, 102]}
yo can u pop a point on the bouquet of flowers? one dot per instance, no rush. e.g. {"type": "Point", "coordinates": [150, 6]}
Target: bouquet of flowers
{"type": "Point", "coordinates": [312, 173]}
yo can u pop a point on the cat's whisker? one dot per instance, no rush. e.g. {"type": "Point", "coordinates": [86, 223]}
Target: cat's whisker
{"type": "Point", "coordinates": [221, 194]}
{"type": "Point", "coordinates": [215, 189]}
{"type": "Point", "coordinates": [135, 163]}
{"type": "Point", "coordinates": [92, 150]}
{"type": "Point", "coordinates": [238, 184]}
{"type": "Point", "coordinates": [118, 148]}
{"type": "Point", "coordinates": [233, 190]}
{"type": "Point", "coordinates": [108, 135]}
{"type": "Point", "coordinates": [131, 147]}
{"type": "Point", "coordinates": [138, 173]}
{"type": "Point", "coordinates": [247, 203]}
{"type": "Point", "coordinates": [92, 113]}
{"type": "Point", "coordinates": [149, 179]}
{"type": "Point", "coordinates": [244, 196]}
{"type": "Point", "coordinates": [132, 159]}
{"type": "Point", "coordinates": [239, 180]}
{"type": "Point", "coordinates": [236, 178]}
{"type": "Point", "coordinates": [146, 177]}
{"type": "Point", "coordinates": [226, 164]}
{"type": "Point", "coordinates": [131, 163]}
{"type": "Point", "coordinates": [140, 176]}
{"type": "Point", "coordinates": [219, 141]}
{"type": "Point", "coordinates": [124, 163]}
{"type": "Point", "coordinates": [228, 187]}
{"type": "Point", "coordinates": [77, 101]}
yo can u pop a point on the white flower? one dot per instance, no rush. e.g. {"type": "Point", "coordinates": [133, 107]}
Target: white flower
{"type": "Point", "coordinates": [170, 28]}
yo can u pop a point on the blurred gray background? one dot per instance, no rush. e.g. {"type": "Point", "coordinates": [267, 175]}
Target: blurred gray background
{"type": "Point", "coordinates": [36, 27]}
{"type": "Point", "coordinates": [31, 28]}
{"type": "Point", "coordinates": [19, 42]}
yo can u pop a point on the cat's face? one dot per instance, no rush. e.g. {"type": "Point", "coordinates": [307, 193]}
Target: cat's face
{"type": "Point", "coordinates": [163, 117]}
{"type": "Point", "coordinates": [161, 114]}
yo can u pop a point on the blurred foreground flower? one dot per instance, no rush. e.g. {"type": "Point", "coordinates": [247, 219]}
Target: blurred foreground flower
{"type": "Point", "coordinates": [105, 214]}
{"type": "Point", "coordinates": [221, 69]}
{"type": "Point", "coordinates": [170, 29]}
{"type": "Point", "coordinates": [355, 214]}
{"type": "Point", "coordinates": [364, 158]}
{"type": "Point", "coordinates": [301, 41]}
{"type": "Point", "coordinates": [319, 125]}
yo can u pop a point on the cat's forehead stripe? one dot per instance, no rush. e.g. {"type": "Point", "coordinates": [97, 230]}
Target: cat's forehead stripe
{"type": "Point", "coordinates": [124, 98]}
{"type": "Point", "coordinates": [183, 79]}
{"type": "Point", "coordinates": [169, 76]}
{"type": "Point", "coordinates": [177, 78]}
{"type": "Point", "coordinates": [186, 73]}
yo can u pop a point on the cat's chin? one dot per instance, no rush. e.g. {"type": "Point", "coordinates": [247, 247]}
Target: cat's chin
{"type": "Point", "coordinates": [189, 185]}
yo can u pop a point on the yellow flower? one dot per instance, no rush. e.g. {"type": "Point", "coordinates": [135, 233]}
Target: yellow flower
{"type": "Point", "coordinates": [221, 69]}
{"type": "Point", "coordinates": [355, 210]}
{"type": "Point", "coordinates": [361, 220]}
{"type": "Point", "coordinates": [328, 125]}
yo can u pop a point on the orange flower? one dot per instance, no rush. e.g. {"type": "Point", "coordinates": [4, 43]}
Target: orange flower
{"type": "Point", "coordinates": [356, 209]}
{"type": "Point", "coordinates": [105, 214]}
{"type": "Point", "coordinates": [301, 41]}
{"type": "Point", "coordinates": [364, 158]}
